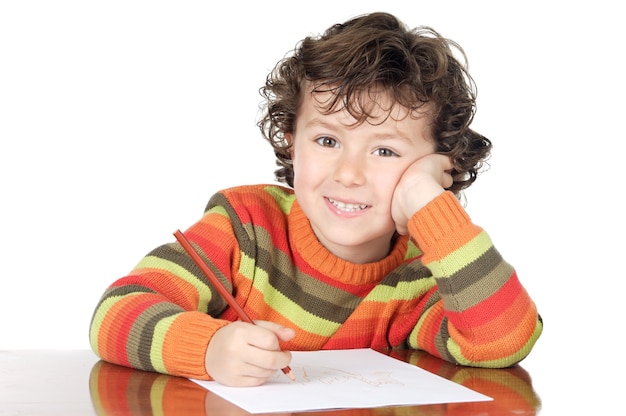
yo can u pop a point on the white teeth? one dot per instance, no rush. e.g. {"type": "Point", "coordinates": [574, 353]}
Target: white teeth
{"type": "Point", "coordinates": [347, 207]}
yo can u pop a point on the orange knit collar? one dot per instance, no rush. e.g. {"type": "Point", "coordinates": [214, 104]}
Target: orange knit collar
{"type": "Point", "coordinates": [303, 239]}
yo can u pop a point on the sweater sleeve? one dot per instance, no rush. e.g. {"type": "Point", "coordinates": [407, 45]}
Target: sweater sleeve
{"type": "Point", "coordinates": [485, 317]}
{"type": "Point", "coordinates": [162, 315]}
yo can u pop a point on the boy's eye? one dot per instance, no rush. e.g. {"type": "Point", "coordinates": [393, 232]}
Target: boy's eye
{"type": "Point", "coordinates": [385, 152]}
{"type": "Point", "coordinates": [327, 141]}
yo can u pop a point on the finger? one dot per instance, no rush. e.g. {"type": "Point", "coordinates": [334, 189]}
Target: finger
{"type": "Point", "coordinates": [447, 180]}
{"type": "Point", "coordinates": [282, 332]}
{"type": "Point", "coordinates": [446, 162]}
{"type": "Point", "coordinates": [261, 367]}
{"type": "Point", "coordinates": [267, 361]}
{"type": "Point", "coordinates": [402, 230]}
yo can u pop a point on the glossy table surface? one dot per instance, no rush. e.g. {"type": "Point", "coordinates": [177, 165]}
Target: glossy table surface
{"type": "Point", "coordinates": [75, 382]}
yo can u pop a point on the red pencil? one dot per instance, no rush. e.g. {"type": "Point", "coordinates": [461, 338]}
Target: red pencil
{"type": "Point", "coordinates": [218, 285]}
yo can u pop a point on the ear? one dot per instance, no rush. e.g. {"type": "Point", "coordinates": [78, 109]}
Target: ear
{"type": "Point", "coordinates": [289, 141]}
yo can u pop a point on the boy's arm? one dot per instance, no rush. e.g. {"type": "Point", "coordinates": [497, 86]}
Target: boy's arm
{"type": "Point", "coordinates": [485, 317]}
{"type": "Point", "coordinates": [155, 318]}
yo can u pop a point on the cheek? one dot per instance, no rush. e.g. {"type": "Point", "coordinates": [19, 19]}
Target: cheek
{"type": "Point", "coordinates": [390, 174]}
{"type": "Point", "coordinates": [305, 172]}
{"type": "Point", "coordinates": [385, 183]}
{"type": "Point", "coordinates": [308, 161]}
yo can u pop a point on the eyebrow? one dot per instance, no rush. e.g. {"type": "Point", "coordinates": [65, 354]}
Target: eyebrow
{"type": "Point", "coordinates": [318, 122]}
{"type": "Point", "coordinates": [315, 122]}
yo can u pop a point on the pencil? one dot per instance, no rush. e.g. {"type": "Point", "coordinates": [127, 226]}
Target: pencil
{"type": "Point", "coordinates": [219, 286]}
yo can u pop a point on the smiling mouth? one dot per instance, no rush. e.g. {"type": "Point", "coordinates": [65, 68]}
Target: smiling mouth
{"type": "Point", "coordinates": [342, 206]}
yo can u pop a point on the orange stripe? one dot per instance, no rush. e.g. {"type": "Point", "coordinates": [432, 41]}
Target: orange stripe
{"type": "Point", "coordinates": [117, 323]}
{"type": "Point", "coordinates": [504, 346]}
{"type": "Point", "coordinates": [429, 328]}
{"type": "Point", "coordinates": [218, 242]}
{"type": "Point", "coordinates": [373, 309]}
{"type": "Point", "coordinates": [213, 224]}
{"type": "Point", "coordinates": [446, 247]}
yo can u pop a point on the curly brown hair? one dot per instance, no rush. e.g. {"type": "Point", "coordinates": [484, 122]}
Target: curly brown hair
{"type": "Point", "coordinates": [414, 66]}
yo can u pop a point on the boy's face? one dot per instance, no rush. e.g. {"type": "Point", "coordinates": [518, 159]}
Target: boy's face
{"type": "Point", "coordinates": [345, 174]}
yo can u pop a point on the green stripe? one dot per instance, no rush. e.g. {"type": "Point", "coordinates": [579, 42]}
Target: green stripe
{"type": "Point", "coordinates": [412, 251]}
{"type": "Point", "coordinates": [100, 314]}
{"type": "Point", "coordinates": [462, 256]}
{"type": "Point", "coordinates": [217, 210]}
{"type": "Point", "coordinates": [283, 198]}
{"type": "Point", "coordinates": [156, 351]}
{"type": "Point", "coordinates": [292, 310]}
{"type": "Point", "coordinates": [405, 290]}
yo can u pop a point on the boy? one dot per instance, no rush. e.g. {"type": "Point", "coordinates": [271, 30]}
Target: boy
{"type": "Point", "coordinates": [367, 244]}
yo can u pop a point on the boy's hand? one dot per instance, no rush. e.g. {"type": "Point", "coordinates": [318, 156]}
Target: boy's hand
{"type": "Point", "coordinates": [423, 180]}
{"type": "Point", "coordinates": [242, 354]}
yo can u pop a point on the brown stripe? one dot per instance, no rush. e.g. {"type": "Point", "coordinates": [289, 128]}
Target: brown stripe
{"type": "Point", "coordinates": [314, 296]}
{"type": "Point", "coordinates": [441, 341]}
{"type": "Point", "coordinates": [471, 273]}
{"type": "Point", "coordinates": [476, 293]}
{"type": "Point", "coordinates": [407, 272]}
{"type": "Point", "coordinates": [142, 333]}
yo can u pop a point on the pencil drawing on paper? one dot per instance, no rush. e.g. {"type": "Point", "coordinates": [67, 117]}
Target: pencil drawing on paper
{"type": "Point", "coordinates": [331, 376]}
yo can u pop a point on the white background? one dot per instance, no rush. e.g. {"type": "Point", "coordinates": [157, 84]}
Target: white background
{"type": "Point", "coordinates": [118, 120]}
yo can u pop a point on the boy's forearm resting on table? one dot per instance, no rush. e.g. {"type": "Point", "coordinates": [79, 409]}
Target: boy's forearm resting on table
{"type": "Point", "coordinates": [485, 317]}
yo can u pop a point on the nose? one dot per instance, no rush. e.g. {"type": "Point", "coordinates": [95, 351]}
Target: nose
{"type": "Point", "coordinates": [350, 170]}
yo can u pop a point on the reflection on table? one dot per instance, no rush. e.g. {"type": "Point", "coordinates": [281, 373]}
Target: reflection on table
{"type": "Point", "coordinates": [120, 390]}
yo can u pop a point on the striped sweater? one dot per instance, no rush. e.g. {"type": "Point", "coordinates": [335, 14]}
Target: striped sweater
{"type": "Point", "coordinates": [445, 289]}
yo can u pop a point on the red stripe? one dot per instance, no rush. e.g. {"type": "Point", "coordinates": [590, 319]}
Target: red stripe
{"type": "Point", "coordinates": [491, 307]}
{"type": "Point", "coordinates": [118, 339]}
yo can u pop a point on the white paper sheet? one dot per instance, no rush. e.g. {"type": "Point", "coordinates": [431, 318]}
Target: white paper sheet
{"type": "Point", "coordinates": [337, 379]}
